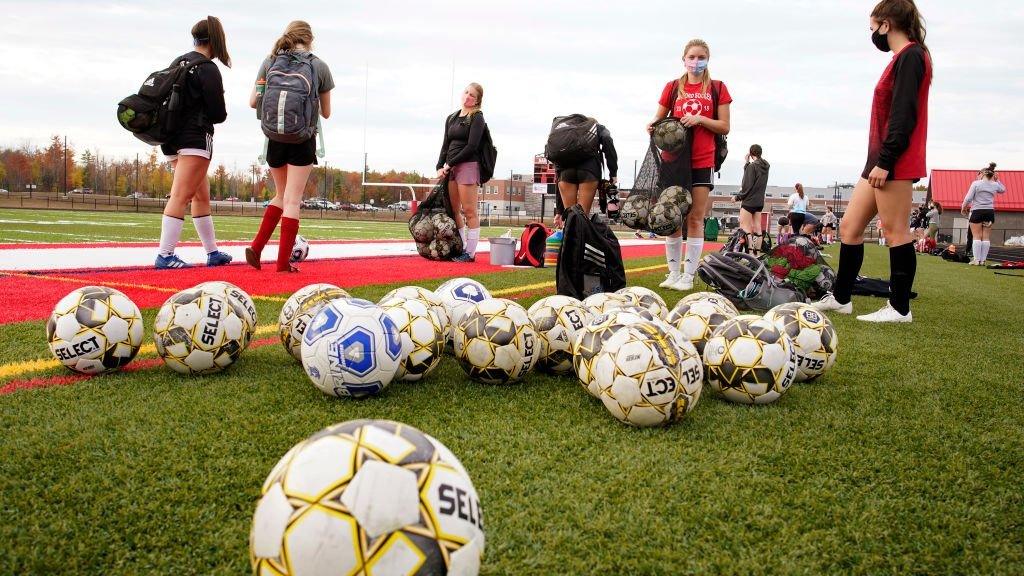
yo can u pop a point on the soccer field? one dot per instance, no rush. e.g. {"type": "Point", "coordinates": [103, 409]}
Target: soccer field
{"type": "Point", "coordinates": [905, 458]}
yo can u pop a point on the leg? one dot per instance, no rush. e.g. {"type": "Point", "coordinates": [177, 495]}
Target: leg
{"type": "Point", "coordinates": [202, 219]}
{"type": "Point", "coordinates": [297, 177]}
{"type": "Point", "coordinates": [453, 195]}
{"type": "Point", "coordinates": [859, 213]}
{"type": "Point", "coordinates": [894, 205]}
{"type": "Point", "coordinates": [569, 193]}
{"type": "Point", "coordinates": [694, 236]}
{"type": "Point", "coordinates": [189, 172]}
{"type": "Point", "coordinates": [587, 191]}
{"type": "Point", "coordinates": [986, 241]}
{"type": "Point", "coordinates": [271, 216]}
{"type": "Point", "coordinates": [468, 197]}
{"type": "Point", "coordinates": [747, 225]}
{"type": "Point", "coordinates": [977, 235]}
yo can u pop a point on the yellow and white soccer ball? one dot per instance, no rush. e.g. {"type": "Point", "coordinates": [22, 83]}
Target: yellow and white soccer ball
{"type": "Point", "coordinates": [604, 302]}
{"type": "Point", "coordinates": [557, 320]}
{"type": "Point", "coordinates": [698, 319]}
{"type": "Point", "coordinates": [714, 297]}
{"type": "Point", "coordinates": [813, 335]}
{"type": "Point", "coordinates": [750, 361]}
{"type": "Point", "coordinates": [647, 299]}
{"type": "Point", "coordinates": [298, 311]}
{"type": "Point", "coordinates": [95, 329]}
{"type": "Point", "coordinates": [422, 336]}
{"type": "Point", "coordinates": [645, 378]}
{"type": "Point", "coordinates": [198, 331]}
{"type": "Point", "coordinates": [367, 497]}
{"type": "Point", "coordinates": [240, 301]}
{"type": "Point", "coordinates": [495, 342]}
{"type": "Point", "coordinates": [591, 338]}
{"type": "Point", "coordinates": [428, 296]}
{"type": "Point", "coordinates": [459, 295]}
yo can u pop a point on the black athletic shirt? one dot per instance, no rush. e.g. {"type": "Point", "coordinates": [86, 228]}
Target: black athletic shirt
{"type": "Point", "coordinates": [204, 100]}
{"type": "Point", "coordinates": [462, 136]}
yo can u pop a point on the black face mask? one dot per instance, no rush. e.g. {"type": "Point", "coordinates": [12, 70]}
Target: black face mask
{"type": "Point", "coordinates": [881, 41]}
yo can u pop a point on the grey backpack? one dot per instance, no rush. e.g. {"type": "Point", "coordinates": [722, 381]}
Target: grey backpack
{"type": "Point", "coordinates": [290, 102]}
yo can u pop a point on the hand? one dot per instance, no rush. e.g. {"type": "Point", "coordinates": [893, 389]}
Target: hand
{"type": "Point", "coordinates": [558, 220]}
{"type": "Point", "coordinates": [442, 172]}
{"type": "Point", "coordinates": [877, 177]}
{"type": "Point", "coordinates": [650, 128]}
{"type": "Point", "coordinates": [690, 120]}
{"type": "Point", "coordinates": [965, 210]}
{"type": "Point", "coordinates": [735, 198]}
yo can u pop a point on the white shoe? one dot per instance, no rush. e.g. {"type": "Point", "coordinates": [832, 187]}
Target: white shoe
{"type": "Point", "coordinates": [684, 283]}
{"type": "Point", "coordinates": [828, 303]}
{"type": "Point", "coordinates": [887, 314]}
{"type": "Point", "coordinates": [670, 279]}
{"type": "Point", "coordinates": [973, 262]}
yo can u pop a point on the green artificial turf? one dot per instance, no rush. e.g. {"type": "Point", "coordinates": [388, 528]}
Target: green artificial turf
{"type": "Point", "coordinates": [906, 458]}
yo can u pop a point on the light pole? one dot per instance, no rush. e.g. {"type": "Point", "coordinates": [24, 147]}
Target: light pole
{"type": "Point", "coordinates": [508, 190]}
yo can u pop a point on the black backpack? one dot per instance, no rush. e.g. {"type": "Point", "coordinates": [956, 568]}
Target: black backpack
{"type": "Point", "coordinates": [590, 260]}
{"type": "Point", "coordinates": [156, 113]}
{"type": "Point", "coordinates": [745, 281]}
{"type": "Point", "coordinates": [488, 156]}
{"type": "Point", "coordinates": [532, 245]}
{"type": "Point", "coordinates": [572, 140]}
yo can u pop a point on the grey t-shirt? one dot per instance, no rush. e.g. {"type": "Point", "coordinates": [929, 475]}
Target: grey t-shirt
{"type": "Point", "coordinates": [323, 73]}
{"type": "Point", "coordinates": [982, 194]}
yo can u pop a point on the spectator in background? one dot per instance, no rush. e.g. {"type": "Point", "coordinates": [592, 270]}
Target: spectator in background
{"type": "Point", "coordinates": [751, 197]}
{"type": "Point", "coordinates": [980, 205]}
{"type": "Point", "coordinates": [828, 224]}
{"type": "Point", "coordinates": [933, 220]}
{"type": "Point", "coordinates": [785, 231]}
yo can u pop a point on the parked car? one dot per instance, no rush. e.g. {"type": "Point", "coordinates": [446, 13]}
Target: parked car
{"type": "Point", "coordinates": [136, 196]}
{"type": "Point", "coordinates": [232, 199]}
{"type": "Point", "coordinates": [4, 192]}
{"type": "Point", "coordinates": [401, 206]}
{"type": "Point", "coordinates": [346, 206]}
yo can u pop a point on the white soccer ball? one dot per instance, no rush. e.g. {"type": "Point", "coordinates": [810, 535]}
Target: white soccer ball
{"type": "Point", "coordinates": [299, 250]}
{"type": "Point", "coordinates": [664, 219]}
{"type": "Point", "coordinates": [198, 331]}
{"type": "Point", "coordinates": [298, 311]}
{"type": "Point", "coordinates": [557, 320]}
{"type": "Point", "coordinates": [713, 297]}
{"type": "Point", "coordinates": [94, 329]}
{"type": "Point", "coordinates": [591, 338]}
{"type": "Point", "coordinates": [352, 348]}
{"type": "Point", "coordinates": [495, 342]}
{"type": "Point", "coordinates": [367, 497]}
{"type": "Point", "coordinates": [428, 296]}
{"type": "Point", "coordinates": [645, 378]}
{"type": "Point", "coordinates": [750, 361]}
{"type": "Point", "coordinates": [813, 336]}
{"type": "Point", "coordinates": [240, 300]}
{"type": "Point", "coordinates": [698, 319]}
{"type": "Point", "coordinates": [647, 299]}
{"type": "Point", "coordinates": [422, 336]}
{"type": "Point", "coordinates": [604, 302]}
{"type": "Point", "coordinates": [458, 295]}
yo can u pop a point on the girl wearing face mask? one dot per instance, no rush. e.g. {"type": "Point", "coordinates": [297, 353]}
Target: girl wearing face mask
{"type": "Point", "coordinates": [896, 159]}
{"type": "Point", "coordinates": [459, 162]}
{"type": "Point", "coordinates": [691, 99]}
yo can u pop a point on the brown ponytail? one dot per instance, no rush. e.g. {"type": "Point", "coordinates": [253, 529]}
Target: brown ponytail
{"type": "Point", "coordinates": [211, 32]}
{"type": "Point", "coordinates": [297, 33]}
{"type": "Point", "coordinates": [902, 15]}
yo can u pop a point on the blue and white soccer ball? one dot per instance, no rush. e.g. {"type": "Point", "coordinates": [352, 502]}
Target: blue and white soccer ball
{"type": "Point", "coordinates": [300, 250]}
{"type": "Point", "coordinates": [459, 295]}
{"type": "Point", "coordinates": [352, 348]}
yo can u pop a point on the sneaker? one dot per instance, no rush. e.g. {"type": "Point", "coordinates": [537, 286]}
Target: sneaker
{"type": "Point", "coordinates": [828, 303]}
{"type": "Point", "coordinates": [887, 314]}
{"type": "Point", "coordinates": [464, 257]}
{"type": "Point", "coordinates": [252, 258]}
{"type": "Point", "coordinates": [670, 279]}
{"type": "Point", "coordinates": [684, 283]}
{"type": "Point", "coordinates": [171, 261]}
{"type": "Point", "coordinates": [638, 234]}
{"type": "Point", "coordinates": [218, 258]}
{"type": "Point", "coordinates": [973, 262]}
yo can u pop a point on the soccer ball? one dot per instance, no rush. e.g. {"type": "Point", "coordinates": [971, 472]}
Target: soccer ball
{"type": "Point", "coordinates": [591, 338]}
{"type": "Point", "coordinates": [298, 311]}
{"type": "Point", "coordinates": [422, 230]}
{"type": "Point", "coordinates": [813, 336]}
{"type": "Point", "coordinates": [367, 497]}
{"type": "Point", "coordinates": [495, 342]}
{"type": "Point", "coordinates": [444, 226]}
{"type": "Point", "coordinates": [94, 329]}
{"type": "Point", "coordinates": [664, 219]}
{"type": "Point", "coordinates": [198, 331]}
{"type": "Point", "coordinates": [750, 361]}
{"type": "Point", "coordinates": [670, 135]}
{"type": "Point", "coordinates": [645, 378]}
{"type": "Point", "coordinates": [422, 337]}
{"type": "Point", "coordinates": [699, 319]}
{"type": "Point", "coordinates": [299, 250]}
{"type": "Point", "coordinates": [679, 196]}
{"type": "Point", "coordinates": [352, 348]}
{"type": "Point", "coordinates": [557, 320]}
{"type": "Point", "coordinates": [240, 301]}
{"type": "Point", "coordinates": [713, 297]}
{"type": "Point", "coordinates": [417, 293]}
{"type": "Point", "coordinates": [604, 302]}
{"type": "Point", "coordinates": [636, 211]}
{"type": "Point", "coordinates": [647, 299]}
{"type": "Point", "coordinates": [458, 295]}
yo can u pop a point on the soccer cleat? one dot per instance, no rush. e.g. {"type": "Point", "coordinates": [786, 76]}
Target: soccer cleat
{"type": "Point", "coordinates": [887, 314]}
{"type": "Point", "coordinates": [252, 258]}
{"type": "Point", "coordinates": [828, 303]}
{"type": "Point", "coordinates": [464, 257]}
{"type": "Point", "coordinates": [218, 258]}
{"type": "Point", "coordinates": [670, 279]}
{"type": "Point", "coordinates": [169, 261]}
{"type": "Point", "coordinates": [684, 283]}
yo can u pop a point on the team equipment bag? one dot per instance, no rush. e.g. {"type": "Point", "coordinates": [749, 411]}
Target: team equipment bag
{"type": "Point", "coordinates": [590, 260]}
{"type": "Point", "coordinates": [290, 103]}
{"type": "Point", "coordinates": [636, 208]}
{"type": "Point", "coordinates": [433, 226]}
{"type": "Point", "coordinates": [156, 113]}
{"type": "Point", "coordinates": [745, 281]}
{"type": "Point", "coordinates": [572, 140]}
{"type": "Point", "coordinates": [532, 244]}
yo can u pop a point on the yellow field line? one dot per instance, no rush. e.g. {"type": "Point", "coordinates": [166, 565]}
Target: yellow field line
{"type": "Point", "coordinates": [73, 280]}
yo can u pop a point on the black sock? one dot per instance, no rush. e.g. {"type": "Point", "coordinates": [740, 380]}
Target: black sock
{"type": "Point", "coordinates": [851, 256]}
{"type": "Point", "coordinates": [902, 268]}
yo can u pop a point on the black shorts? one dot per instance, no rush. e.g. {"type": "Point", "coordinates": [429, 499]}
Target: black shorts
{"type": "Point", "coordinates": [190, 141]}
{"type": "Point", "coordinates": [703, 177]}
{"type": "Point", "coordinates": [301, 154]}
{"type": "Point", "coordinates": [673, 174]}
{"type": "Point", "coordinates": [586, 171]}
{"type": "Point", "coordinates": [753, 209]}
{"type": "Point", "coordinates": [985, 216]}
{"type": "Point", "coordinates": [796, 220]}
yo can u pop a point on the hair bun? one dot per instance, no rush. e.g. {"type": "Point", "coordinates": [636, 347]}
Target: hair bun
{"type": "Point", "coordinates": [991, 165]}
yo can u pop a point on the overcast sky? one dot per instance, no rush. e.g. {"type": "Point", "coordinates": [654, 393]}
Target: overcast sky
{"type": "Point", "coordinates": [801, 73]}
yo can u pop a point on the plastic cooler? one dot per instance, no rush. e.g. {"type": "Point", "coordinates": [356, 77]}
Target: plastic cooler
{"type": "Point", "coordinates": [503, 251]}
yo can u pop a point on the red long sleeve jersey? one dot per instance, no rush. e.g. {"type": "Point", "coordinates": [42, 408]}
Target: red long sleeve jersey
{"type": "Point", "coordinates": [899, 116]}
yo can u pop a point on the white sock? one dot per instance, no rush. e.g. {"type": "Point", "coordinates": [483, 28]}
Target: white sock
{"type": "Point", "coordinates": [204, 227]}
{"type": "Point", "coordinates": [694, 246]}
{"type": "Point", "coordinates": [472, 239]}
{"type": "Point", "coordinates": [462, 234]}
{"type": "Point", "coordinates": [673, 253]}
{"type": "Point", "coordinates": [976, 250]}
{"type": "Point", "coordinates": [170, 233]}
{"type": "Point", "coordinates": [985, 245]}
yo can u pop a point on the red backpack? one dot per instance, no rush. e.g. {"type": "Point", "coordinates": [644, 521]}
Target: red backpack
{"type": "Point", "coordinates": [531, 245]}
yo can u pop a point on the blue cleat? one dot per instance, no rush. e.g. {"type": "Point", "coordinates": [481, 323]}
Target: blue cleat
{"type": "Point", "coordinates": [464, 257]}
{"type": "Point", "coordinates": [168, 262]}
{"type": "Point", "coordinates": [217, 258]}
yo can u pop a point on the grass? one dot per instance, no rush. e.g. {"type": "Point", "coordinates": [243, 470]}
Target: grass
{"type": "Point", "coordinates": [905, 458]}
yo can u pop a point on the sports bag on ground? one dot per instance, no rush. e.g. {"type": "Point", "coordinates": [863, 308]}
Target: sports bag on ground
{"type": "Point", "coordinates": [745, 281]}
{"type": "Point", "coordinates": [156, 113]}
{"type": "Point", "coordinates": [532, 244]}
{"type": "Point", "coordinates": [433, 226]}
{"type": "Point", "coordinates": [290, 102]}
{"type": "Point", "coordinates": [572, 140]}
{"type": "Point", "coordinates": [591, 260]}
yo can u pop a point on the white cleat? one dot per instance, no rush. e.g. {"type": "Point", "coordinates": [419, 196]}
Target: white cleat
{"type": "Point", "coordinates": [670, 279]}
{"type": "Point", "coordinates": [829, 303]}
{"type": "Point", "coordinates": [887, 314]}
{"type": "Point", "coordinates": [684, 283]}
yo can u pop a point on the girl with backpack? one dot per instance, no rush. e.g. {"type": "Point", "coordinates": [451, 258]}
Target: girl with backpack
{"type": "Point", "coordinates": [189, 151]}
{"type": "Point", "coordinates": [979, 205]}
{"type": "Point", "coordinates": [459, 162]}
{"type": "Point", "coordinates": [896, 159]}
{"type": "Point", "coordinates": [578, 184]}
{"type": "Point", "coordinates": [290, 163]}
{"type": "Point", "coordinates": [692, 99]}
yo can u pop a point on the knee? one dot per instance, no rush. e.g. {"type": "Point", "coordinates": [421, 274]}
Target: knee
{"type": "Point", "coordinates": [850, 234]}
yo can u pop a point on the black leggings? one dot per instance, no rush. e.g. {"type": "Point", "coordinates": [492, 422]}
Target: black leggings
{"type": "Point", "coordinates": [796, 220]}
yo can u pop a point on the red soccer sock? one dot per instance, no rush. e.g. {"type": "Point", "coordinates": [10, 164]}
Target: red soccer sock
{"type": "Point", "coordinates": [270, 218]}
{"type": "Point", "coordinates": [289, 229]}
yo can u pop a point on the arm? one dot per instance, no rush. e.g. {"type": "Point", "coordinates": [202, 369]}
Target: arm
{"type": "Point", "coordinates": [720, 126]}
{"type": "Point", "coordinates": [213, 93]}
{"type": "Point", "coordinates": [909, 73]}
{"type": "Point", "coordinates": [444, 145]}
{"type": "Point", "coordinates": [611, 157]}
{"type": "Point", "coordinates": [325, 104]}
{"type": "Point", "coordinates": [1000, 187]}
{"type": "Point", "coordinates": [476, 133]}
{"type": "Point", "coordinates": [968, 198]}
{"type": "Point", "coordinates": [747, 183]}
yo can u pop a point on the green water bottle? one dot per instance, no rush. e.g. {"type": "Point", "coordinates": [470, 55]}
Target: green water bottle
{"type": "Point", "coordinates": [261, 86]}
